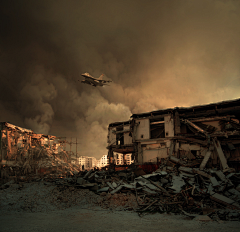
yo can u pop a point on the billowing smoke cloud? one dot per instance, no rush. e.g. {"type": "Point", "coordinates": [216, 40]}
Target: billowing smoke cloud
{"type": "Point", "coordinates": [158, 54]}
{"type": "Point", "coordinates": [35, 96]}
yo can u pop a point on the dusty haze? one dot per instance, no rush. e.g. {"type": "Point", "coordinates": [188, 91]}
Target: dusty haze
{"type": "Point", "coordinates": [158, 54]}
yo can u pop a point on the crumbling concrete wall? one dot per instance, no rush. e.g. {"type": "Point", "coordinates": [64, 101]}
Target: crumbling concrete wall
{"type": "Point", "coordinates": [182, 132]}
{"type": "Point", "coordinates": [24, 152]}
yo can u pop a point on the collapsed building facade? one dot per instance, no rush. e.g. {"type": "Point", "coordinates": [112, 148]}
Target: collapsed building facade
{"type": "Point", "coordinates": [24, 152]}
{"type": "Point", "coordinates": [209, 135]}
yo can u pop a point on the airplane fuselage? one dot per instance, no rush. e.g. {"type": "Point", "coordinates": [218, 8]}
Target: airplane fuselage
{"type": "Point", "coordinates": [93, 81]}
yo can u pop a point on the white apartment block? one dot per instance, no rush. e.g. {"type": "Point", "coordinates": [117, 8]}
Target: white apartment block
{"type": "Point", "coordinates": [119, 159]}
{"type": "Point", "coordinates": [88, 162]}
{"type": "Point", "coordinates": [104, 161]}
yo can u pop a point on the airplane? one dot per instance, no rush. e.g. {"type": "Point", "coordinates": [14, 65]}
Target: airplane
{"type": "Point", "coordinates": [94, 81]}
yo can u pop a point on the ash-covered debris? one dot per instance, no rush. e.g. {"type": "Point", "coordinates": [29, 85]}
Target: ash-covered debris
{"type": "Point", "coordinates": [179, 190]}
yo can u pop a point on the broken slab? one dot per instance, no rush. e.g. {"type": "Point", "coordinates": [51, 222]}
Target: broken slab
{"type": "Point", "coordinates": [174, 159]}
{"type": "Point", "coordinates": [164, 180]}
{"type": "Point", "coordinates": [220, 153]}
{"type": "Point", "coordinates": [224, 200]}
{"type": "Point", "coordinates": [117, 189]}
{"type": "Point", "coordinates": [88, 173]}
{"type": "Point", "coordinates": [234, 192]}
{"type": "Point", "coordinates": [177, 183]}
{"type": "Point", "coordinates": [114, 185]}
{"type": "Point", "coordinates": [221, 176]}
{"type": "Point", "coordinates": [169, 168]}
{"type": "Point", "coordinates": [130, 186]}
{"type": "Point", "coordinates": [110, 185]}
{"type": "Point", "coordinates": [158, 186]}
{"type": "Point", "coordinates": [91, 176]}
{"type": "Point", "coordinates": [150, 186]}
{"type": "Point", "coordinates": [105, 189]}
{"type": "Point", "coordinates": [186, 169]}
{"type": "Point", "coordinates": [162, 173]}
{"type": "Point", "coordinates": [148, 191]}
{"type": "Point", "coordinates": [214, 182]}
{"type": "Point", "coordinates": [195, 170]}
{"type": "Point", "coordinates": [205, 160]}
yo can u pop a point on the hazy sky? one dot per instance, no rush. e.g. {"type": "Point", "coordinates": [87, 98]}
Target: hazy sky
{"type": "Point", "coordinates": [158, 54]}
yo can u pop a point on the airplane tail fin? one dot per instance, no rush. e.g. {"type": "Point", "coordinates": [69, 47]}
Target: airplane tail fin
{"type": "Point", "coordinates": [100, 78]}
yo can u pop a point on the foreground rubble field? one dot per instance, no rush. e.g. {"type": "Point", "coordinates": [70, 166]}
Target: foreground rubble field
{"type": "Point", "coordinates": [46, 196]}
{"type": "Point", "coordinates": [176, 187]}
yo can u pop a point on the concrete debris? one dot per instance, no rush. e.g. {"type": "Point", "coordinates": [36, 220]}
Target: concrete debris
{"type": "Point", "coordinates": [204, 194]}
{"type": "Point", "coordinates": [177, 183]}
{"type": "Point", "coordinates": [105, 189]}
{"type": "Point", "coordinates": [214, 182]}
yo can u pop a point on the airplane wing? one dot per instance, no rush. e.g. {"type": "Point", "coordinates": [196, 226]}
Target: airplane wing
{"type": "Point", "coordinates": [104, 81]}
{"type": "Point", "coordinates": [87, 75]}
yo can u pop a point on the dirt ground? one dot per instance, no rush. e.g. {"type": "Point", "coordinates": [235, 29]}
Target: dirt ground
{"type": "Point", "coordinates": [97, 219]}
{"type": "Point", "coordinates": [44, 206]}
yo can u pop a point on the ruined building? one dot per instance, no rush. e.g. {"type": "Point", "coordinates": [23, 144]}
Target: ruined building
{"type": "Point", "coordinates": [208, 135]}
{"type": "Point", "coordinates": [23, 152]}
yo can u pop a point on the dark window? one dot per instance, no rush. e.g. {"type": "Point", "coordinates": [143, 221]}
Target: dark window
{"type": "Point", "coordinates": [120, 136]}
{"type": "Point", "coordinates": [157, 128]}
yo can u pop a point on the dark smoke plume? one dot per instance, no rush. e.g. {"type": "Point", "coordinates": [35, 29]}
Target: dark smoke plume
{"type": "Point", "coordinates": [157, 53]}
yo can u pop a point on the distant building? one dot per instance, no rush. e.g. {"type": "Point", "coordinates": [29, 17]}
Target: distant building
{"type": "Point", "coordinates": [88, 162]}
{"type": "Point", "coordinates": [129, 159]}
{"type": "Point", "coordinates": [104, 161]}
{"type": "Point", "coordinates": [119, 159]}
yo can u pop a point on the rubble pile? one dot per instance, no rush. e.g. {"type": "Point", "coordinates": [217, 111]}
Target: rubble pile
{"type": "Point", "coordinates": [39, 160]}
{"type": "Point", "coordinates": [44, 196]}
{"type": "Point", "coordinates": [177, 186]}
{"type": "Point", "coordinates": [24, 152]}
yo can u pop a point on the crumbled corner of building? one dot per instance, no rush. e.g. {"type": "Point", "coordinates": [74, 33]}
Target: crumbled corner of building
{"type": "Point", "coordinates": [180, 161]}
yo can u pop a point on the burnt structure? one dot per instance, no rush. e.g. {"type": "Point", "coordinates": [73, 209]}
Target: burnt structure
{"type": "Point", "coordinates": [24, 152]}
{"type": "Point", "coordinates": [207, 134]}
